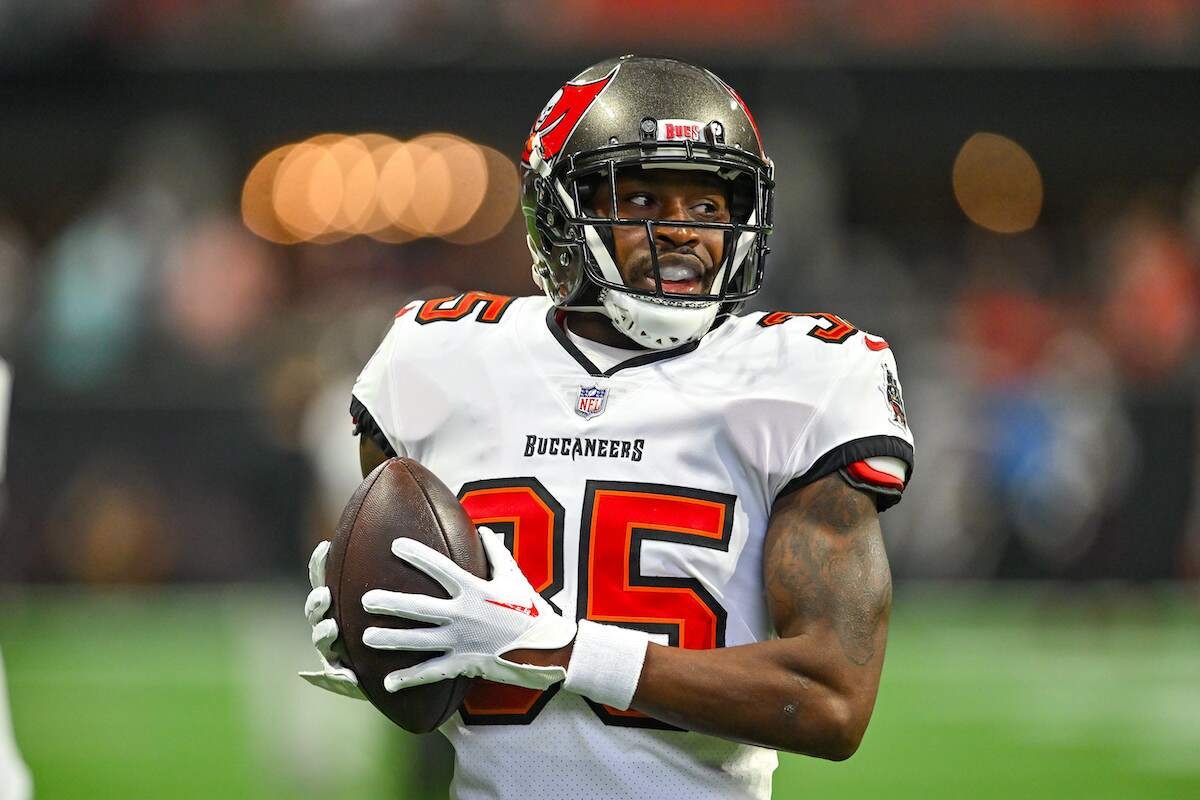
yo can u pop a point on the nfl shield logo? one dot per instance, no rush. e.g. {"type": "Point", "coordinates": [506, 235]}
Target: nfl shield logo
{"type": "Point", "coordinates": [591, 402]}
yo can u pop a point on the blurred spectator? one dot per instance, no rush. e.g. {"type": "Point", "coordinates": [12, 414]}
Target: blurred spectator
{"type": "Point", "coordinates": [219, 289]}
{"type": "Point", "coordinates": [111, 524]}
{"type": "Point", "coordinates": [91, 316]}
{"type": "Point", "coordinates": [1152, 303]}
{"type": "Point", "coordinates": [15, 284]}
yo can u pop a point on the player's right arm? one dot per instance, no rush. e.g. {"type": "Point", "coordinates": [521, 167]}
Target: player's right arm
{"type": "Point", "coordinates": [370, 454]}
{"type": "Point", "coordinates": [374, 448]}
{"type": "Point", "coordinates": [332, 674]}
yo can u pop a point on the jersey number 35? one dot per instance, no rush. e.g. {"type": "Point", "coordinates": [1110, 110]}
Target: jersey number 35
{"type": "Point", "coordinates": [617, 518]}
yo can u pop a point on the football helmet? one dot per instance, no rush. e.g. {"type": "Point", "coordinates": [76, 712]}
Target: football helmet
{"type": "Point", "coordinates": [636, 112]}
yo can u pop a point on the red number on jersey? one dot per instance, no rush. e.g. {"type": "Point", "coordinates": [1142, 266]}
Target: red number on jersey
{"type": "Point", "coordinates": [618, 519]}
{"type": "Point", "coordinates": [835, 330]}
{"type": "Point", "coordinates": [452, 309]}
{"type": "Point", "coordinates": [531, 522]}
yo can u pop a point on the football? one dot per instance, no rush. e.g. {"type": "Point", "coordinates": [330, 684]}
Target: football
{"type": "Point", "coordinates": [399, 498]}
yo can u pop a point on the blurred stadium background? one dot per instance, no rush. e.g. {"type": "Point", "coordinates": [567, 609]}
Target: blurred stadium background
{"type": "Point", "coordinates": [210, 210]}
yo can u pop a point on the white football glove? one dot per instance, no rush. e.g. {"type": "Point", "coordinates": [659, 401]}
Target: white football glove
{"type": "Point", "coordinates": [475, 626]}
{"type": "Point", "coordinates": [332, 676]}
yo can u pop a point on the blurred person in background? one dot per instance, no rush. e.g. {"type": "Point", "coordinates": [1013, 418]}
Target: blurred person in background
{"type": "Point", "coordinates": [15, 783]}
{"type": "Point", "coordinates": [1044, 410]}
{"type": "Point", "coordinates": [158, 332]}
{"type": "Point", "coordinates": [648, 196]}
{"type": "Point", "coordinates": [1148, 321]}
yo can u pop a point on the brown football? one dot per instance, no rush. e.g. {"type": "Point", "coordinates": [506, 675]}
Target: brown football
{"type": "Point", "coordinates": [399, 498]}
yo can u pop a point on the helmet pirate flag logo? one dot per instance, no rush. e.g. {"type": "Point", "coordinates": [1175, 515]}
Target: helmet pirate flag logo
{"type": "Point", "coordinates": [560, 116]}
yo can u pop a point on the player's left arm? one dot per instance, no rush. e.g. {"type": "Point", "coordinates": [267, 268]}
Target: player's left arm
{"type": "Point", "coordinates": [811, 690]}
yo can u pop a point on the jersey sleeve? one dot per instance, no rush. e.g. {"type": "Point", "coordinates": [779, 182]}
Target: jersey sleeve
{"type": "Point", "coordinates": [860, 430]}
{"type": "Point", "coordinates": [375, 401]}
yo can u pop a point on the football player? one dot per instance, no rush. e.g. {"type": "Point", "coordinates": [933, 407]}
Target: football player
{"type": "Point", "coordinates": [679, 504]}
{"type": "Point", "coordinates": [15, 783]}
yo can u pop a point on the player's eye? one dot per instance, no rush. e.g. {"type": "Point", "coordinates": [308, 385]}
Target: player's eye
{"type": "Point", "coordinates": [638, 204]}
{"type": "Point", "coordinates": [708, 209]}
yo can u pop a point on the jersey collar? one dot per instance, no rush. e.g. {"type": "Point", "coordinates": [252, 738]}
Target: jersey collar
{"type": "Point", "coordinates": [555, 322]}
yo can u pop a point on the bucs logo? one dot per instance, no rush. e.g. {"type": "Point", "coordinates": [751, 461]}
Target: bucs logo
{"type": "Point", "coordinates": [895, 401]}
{"type": "Point", "coordinates": [560, 116]}
{"type": "Point", "coordinates": [674, 129]}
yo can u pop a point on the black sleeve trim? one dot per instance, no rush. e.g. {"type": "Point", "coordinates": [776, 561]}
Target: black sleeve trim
{"type": "Point", "coordinates": [846, 454]}
{"type": "Point", "coordinates": [364, 423]}
{"type": "Point", "coordinates": [884, 498]}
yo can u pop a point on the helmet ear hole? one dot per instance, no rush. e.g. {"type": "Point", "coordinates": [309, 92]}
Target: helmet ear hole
{"type": "Point", "coordinates": [741, 198]}
{"type": "Point", "coordinates": [587, 190]}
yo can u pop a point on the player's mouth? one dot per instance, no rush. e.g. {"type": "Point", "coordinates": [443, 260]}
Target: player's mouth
{"type": "Point", "coordinates": [682, 273]}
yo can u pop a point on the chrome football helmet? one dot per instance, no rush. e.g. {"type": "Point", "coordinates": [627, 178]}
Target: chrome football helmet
{"type": "Point", "coordinates": [628, 113]}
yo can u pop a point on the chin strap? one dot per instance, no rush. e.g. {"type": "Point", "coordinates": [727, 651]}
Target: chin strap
{"type": "Point", "coordinates": [658, 324]}
{"type": "Point", "coordinates": [651, 323]}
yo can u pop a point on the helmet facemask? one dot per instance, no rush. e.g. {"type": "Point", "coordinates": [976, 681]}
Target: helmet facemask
{"type": "Point", "coordinates": [573, 244]}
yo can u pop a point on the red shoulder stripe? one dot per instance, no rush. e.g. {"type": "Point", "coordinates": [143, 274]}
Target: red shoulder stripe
{"type": "Point", "coordinates": [865, 473]}
{"type": "Point", "coordinates": [875, 344]}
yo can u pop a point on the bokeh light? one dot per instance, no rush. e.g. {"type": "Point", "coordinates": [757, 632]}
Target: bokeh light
{"type": "Point", "coordinates": [498, 204]}
{"type": "Point", "coordinates": [359, 181]}
{"type": "Point", "coordinates": [308, 190]}
{"type": "Point", "coordinates": [332, 186]}
{"type": "Point", "coordinates": [393, 188]}
{"type": "Point", "coordinates": [455, 176]}
{"type": "Point", "coordinates": [398, 186]}
{"type": "Point", "coordinates": [258, 209]}
{"type": "Point", "coordinates": [997, 184]}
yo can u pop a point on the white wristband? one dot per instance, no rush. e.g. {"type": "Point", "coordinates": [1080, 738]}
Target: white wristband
{"type": "Point", "coordinates": [606, 663]}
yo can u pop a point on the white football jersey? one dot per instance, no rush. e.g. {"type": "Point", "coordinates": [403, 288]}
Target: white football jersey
{"type": "Point", "coordinates": [638, 495]}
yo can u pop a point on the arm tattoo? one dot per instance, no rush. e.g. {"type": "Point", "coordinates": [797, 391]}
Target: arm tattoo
{"type": "Point", "coordinates": [826, 566]}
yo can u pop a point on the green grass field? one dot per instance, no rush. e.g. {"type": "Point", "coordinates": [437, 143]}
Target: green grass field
{"type": "Point", "coordinates": [1029, 692]}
